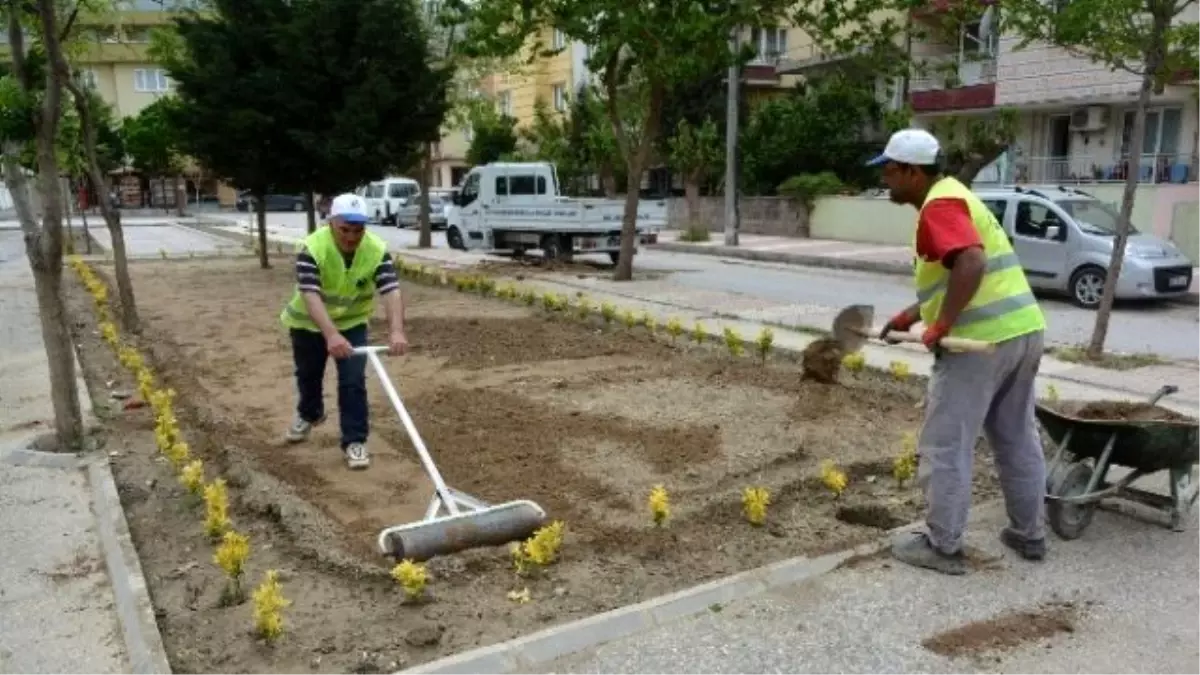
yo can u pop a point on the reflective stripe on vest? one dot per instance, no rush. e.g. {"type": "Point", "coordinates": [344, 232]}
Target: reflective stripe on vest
{"type": "Point", "coordinates": [1004, 306]}
{"type": "Point", "coordinates": [347, 293]}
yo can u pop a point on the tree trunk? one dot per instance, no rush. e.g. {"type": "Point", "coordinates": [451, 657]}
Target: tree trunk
{"type": "Point", "coordinates": [87, 236]}
{"type": "Point", "coordinates": [425, 238]}
{"type": "Point", "coordinates": [608, 181]}
{"type": "Point", "coordinates": [964, 164]}
{"type": "Point", "coordinates": [128, 313]}
{"type": "Point", "coordinates": [180, 196]}
{"type": "Point", "coordinates": [260, 214]}
{"type": "Point", "coordinates": [310, 207]}
{"type": "Point", "coordinates": [691, 194]}
{"type": "Point", "coordinates": [70, 245]}
{"type": "Point", "coordinates": [1103, 313]}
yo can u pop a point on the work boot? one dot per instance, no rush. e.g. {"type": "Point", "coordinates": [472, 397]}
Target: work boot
{"type": "Point", "coordinates": [914, 548]}
{"type": "Point", "coordinates": [301, 428]}
{"type": "Point", "coordinates": [1029, 549]}
{"type": "Point", "coordinates": [357, 456]}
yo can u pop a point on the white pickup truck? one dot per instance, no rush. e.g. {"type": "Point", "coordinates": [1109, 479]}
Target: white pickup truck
{"type": "Point", "coordinates": [514, 207]}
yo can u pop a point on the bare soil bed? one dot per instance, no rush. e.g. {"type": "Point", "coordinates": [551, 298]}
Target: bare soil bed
{"type": "Point", "coordinates": [513, 404]}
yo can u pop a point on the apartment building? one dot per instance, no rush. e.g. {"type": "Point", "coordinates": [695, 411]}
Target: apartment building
{"type": "Point", "coordinates": [1074, 115]}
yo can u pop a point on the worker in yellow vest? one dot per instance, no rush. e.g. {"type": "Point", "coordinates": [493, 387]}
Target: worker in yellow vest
{"type": "Point", "coordinates": [969, 284]}
{"type": "Point", "coordinates": [340, 269]}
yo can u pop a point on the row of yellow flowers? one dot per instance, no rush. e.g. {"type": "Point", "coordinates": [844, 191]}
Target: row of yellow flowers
{"type": "Point", "coordinates": [232, 547]}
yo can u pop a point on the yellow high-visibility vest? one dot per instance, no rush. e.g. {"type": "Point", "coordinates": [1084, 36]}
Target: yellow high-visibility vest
{"type": "Point", "coordinates": [349, 294]}
{"type": "Point", "coordinates": [1004, 306]}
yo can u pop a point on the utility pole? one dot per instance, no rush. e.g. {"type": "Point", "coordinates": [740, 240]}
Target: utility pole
{"type": "Point", "coordinates": [731, 139]}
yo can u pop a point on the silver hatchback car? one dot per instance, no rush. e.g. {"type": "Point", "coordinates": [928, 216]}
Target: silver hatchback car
{"type": "Point", "coordinates": [1064, 239]}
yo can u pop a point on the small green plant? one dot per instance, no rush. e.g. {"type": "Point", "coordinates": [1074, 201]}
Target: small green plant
{"type": "Point", "coordinates": [550, 302]}
{"type": "Point", "coordinates": [608, 311]}
{"type": "Point", "coordinates": [698, 333]}
{"type": "Point", "coordinates": [529, 297]}
{"type": "Point", "coordinates": [486, 286]}
{"type": "Point", "coordinates": [629, 319]}
{"type": "Point", "coordinates": [764, 342]}
{"type": "Point", "coordinates": [584, 309]}
{"type": "Point", "coordinates": [649, 322]}
{"type": "Point", "coordinates": [674, 328]}
{"type": "Point", "coordinates": [733, 342]}
{"type": "Point", "coordinates": [695, 232]}
{"type": "Point", "coordinates": [808, 187]}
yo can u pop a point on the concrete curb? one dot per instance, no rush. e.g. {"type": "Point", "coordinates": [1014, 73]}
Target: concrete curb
{"type": "Point", "coordinates": [882, 267]}
{"type": "Point", "coordinates": [524, 653]}
{"type": "Point", "coordinates": [143, 642]}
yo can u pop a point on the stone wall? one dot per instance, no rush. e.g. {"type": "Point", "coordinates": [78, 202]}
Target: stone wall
{"type": "Point", "coordinates": [778, 216]}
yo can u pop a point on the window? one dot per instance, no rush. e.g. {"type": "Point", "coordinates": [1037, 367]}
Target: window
{"type": "Point", "coordinates": [374, 191]}
{"type": "Point", "coordinates": [1162, 132]}
{"type": "Point", "coordinates": [528, 184]}
{"type": "Point", "coordinates": [501, 186]}
{"type": "Point", "coordinates": [770, 44]}
{"type": "Point", "coordinates": [504, 101]}
{"type": "Point", "coordinates": [560, 97]}
{"type": "Point", "coordinates": [470, 190]}
{"type": "Point", "coordinates": [151, 80]}
{"type": "Point", "coordinates": [1033, 219]}
{"type": "Point", "coordinates": [559, 40]}
{"type": "Point", "coordinates": [401, 190]}
{"type": "Point", "coordinates": [86, 78]}
{"type": "Point", "coordinates": [998, 207]}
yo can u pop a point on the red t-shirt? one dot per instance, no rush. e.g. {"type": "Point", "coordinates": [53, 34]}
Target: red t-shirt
{"type": "Point", "coordinates": [944, 229]}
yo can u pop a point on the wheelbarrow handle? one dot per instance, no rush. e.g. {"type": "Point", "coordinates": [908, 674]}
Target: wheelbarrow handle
{"type": "Point", "coordinates": [954, 344]}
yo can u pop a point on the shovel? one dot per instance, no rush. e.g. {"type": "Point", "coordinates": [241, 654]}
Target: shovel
{"type": "Point", "coordinates": [854, 325]}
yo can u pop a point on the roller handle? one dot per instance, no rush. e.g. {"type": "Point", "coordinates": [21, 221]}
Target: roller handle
{"type": "Point", "coordinates": [954, 344]}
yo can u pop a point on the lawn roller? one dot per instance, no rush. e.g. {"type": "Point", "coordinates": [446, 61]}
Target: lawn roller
{"type": "Point", "coordinates": [467, 522]}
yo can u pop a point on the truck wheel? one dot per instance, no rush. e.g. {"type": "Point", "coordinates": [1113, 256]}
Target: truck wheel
{"type": "Point", "coordinates": [1087, 286]}
{"type": "Point", "coordinates": [614, 256]}
{"type": "Point", "coordinates": [454, 239]}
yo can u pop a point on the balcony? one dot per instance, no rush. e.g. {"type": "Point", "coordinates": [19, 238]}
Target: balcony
{"type": "Point", "coordinates": [931, 9]}
{"type": "Point", "coordinates": [954, 84]}
{"type": "Point", "coordinates": [1178, 168]}
{"type": "Point", "coordinates": [810, 57]}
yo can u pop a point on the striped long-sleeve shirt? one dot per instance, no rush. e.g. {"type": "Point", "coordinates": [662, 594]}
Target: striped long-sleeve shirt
{"type": "Point", "coordinates": [308, 275]}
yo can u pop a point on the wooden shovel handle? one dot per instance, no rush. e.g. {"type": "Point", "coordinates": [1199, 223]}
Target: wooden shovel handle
{"type": "Point", "coordinates": [954, 344]}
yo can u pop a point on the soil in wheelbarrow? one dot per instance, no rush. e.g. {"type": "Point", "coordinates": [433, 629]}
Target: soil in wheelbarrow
{"type": "Point", "coordinates": [1121, 411]}
{"type": "Point", "coordinates": [513, 404]}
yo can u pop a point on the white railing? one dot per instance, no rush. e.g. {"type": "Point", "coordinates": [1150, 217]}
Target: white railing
{"type": "Point", "coordinates": [1154, 168]}
{"type": "Point", "coordinates": [953, 72]}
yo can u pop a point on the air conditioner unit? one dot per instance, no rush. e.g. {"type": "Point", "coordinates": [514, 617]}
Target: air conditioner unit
{"type": "Point", "coordinates": [1091, 118]}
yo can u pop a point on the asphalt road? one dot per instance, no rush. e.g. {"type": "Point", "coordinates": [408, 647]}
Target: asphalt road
{"type": "Point", "coordinates": [1170, 330]}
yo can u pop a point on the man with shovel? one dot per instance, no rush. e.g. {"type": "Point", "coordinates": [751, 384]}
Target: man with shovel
{"type": "Point", "coordinates": [339, 270]}
{"type": "Point", "coordinates": [969, 285]}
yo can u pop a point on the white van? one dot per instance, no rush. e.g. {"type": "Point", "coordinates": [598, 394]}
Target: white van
{"type": "Point", "coordinates": [386, 198]}
{"type": "Point", "coordinates": [1064, 239]}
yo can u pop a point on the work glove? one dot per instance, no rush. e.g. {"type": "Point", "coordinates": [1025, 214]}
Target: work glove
{"type": "Point", "coordinates": [902, 322]}
{"type": "Point", "coordinates": [932, 337]}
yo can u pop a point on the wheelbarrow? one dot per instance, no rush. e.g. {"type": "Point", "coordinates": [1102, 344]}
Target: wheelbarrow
{"type": "Point", "coordinates": [1077, 476]}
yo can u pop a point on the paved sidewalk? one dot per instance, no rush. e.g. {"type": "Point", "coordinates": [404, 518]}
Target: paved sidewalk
{"type": "Point", "coordinates": [65, 582]}
{"type": "Point", "coordinates": [1130, 584]}
{"type": "Point", "coordinates": [820, 253]}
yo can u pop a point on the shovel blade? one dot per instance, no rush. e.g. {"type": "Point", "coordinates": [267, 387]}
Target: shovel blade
{"type": "Point", "coordinates": [852, 326]}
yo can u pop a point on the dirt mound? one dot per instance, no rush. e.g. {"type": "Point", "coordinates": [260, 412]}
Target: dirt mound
{"type": "Point", "coordinates": [822, 360]}
{"type": "Point", "coordinates": [1005, 631]}
{"type": "Point", "coordinates": [1124, 411]}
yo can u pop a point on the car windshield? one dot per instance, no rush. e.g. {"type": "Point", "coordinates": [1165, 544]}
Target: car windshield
{"type": "Point", "coordinates": [1093, 215]}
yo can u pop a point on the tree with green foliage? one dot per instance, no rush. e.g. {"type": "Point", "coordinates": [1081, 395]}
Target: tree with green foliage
{"type": "Point", "coordinates": [234, 115]}
{"type": "Point", "coordinates": [874, 39]}
{"type": "Point", "coordinates": [1151, 39]}
{"type": "Point", "coordinates": [696, 152]}
{"type": "Point", "coordinates": [494, 137]}
{"type": "Point", "coordinates": [31, 106]}
{"type": "Point", "coordinates": [830, 123]}
{"type": "Point", "coordinates": [153, 146]}
{"type": "Point", "coordinates": [643, 52]}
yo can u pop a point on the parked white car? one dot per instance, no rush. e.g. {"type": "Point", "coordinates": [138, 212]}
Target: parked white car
{"type": "Point", "coordinates": [388, 197]}
{"type": "Point", "coordinates": [1064, 239]}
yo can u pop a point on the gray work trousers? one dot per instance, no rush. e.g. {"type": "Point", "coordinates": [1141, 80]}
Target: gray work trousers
{"type": "Point", "coordinates": [993, 391]}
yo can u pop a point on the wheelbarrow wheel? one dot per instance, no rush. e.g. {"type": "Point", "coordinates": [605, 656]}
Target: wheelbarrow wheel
{"type": "Point", "coordinates": [1070, 520]}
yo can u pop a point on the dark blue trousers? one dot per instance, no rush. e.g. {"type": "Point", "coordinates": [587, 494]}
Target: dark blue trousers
{"type": "Point", "coordinates": [310, 354]}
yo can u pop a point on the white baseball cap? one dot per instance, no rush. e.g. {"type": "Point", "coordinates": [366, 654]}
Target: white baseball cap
{"type": "Point", "coordinates": [349, 207]}
{"type": "Point", "coordinates": [910, 146]}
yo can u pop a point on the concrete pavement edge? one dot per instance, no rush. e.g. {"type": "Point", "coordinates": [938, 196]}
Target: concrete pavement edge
{"type": "Point", "coordinates": [806, 260]}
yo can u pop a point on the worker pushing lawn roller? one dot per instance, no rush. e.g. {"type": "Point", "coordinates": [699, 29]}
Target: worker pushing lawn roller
{"type": "Point", "coordinates": [339, 270]}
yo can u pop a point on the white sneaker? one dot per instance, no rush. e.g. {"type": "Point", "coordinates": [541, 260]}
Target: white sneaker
{"type": "Point", "coordinates": [357, 456]}
{"type": "Point", "coordinates": [300, 429]}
